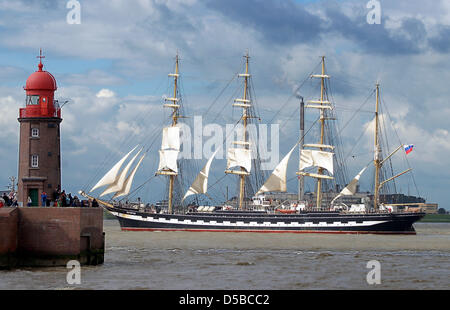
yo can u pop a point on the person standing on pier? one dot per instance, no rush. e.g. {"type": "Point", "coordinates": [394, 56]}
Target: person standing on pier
{"type": "Point", "coordinates": [6, 200]}
{"type": "Point", "coordinates": [44, 199]}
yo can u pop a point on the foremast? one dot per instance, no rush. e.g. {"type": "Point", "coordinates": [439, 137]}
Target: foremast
{"type": "Point", "coordinates": [322, 105]}
{"type": "Point", "coordinates": [175, 106]}
{"type": "Point", "coordinates": [245, 104]}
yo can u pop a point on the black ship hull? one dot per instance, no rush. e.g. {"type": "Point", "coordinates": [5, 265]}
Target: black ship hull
{"type": "Point", "coordinates": [241, 221]}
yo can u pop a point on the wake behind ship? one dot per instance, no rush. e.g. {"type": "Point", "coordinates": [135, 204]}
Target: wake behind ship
{"type": "Point", "coordinates": [316, 161]}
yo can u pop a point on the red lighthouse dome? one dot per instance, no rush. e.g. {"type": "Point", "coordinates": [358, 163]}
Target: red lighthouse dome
{"type": "Point", "coordinates": [41, 80]}
{"type": "Point", "coordinates": [40, 88]}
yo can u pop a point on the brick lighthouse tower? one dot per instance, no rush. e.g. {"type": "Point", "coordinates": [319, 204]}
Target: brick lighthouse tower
{"type": "Point", "coordinates": [39, 145]}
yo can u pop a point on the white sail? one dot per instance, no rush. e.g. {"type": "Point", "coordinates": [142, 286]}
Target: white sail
{"type": "Point", "coordinates": [309, 158]}
{"type": "Point", "coordinates": [277, 180]}
{"type": "Point", "coordinates": [127, 184]}
{"type": "Point", "coordinates": [350, 189]}
{"type": "Point", "coordinates": [168, 160]}
{"type": "Point", "coordinates": [171, 138]}
{"type": "Point", "coordinates": [239, 157]}
{"type": "Point", "coordinates": [111, 176]}
{"type": "Point", "coordinates": [120, 180]}
{"type": "Point", "coordinates": [200, 184]}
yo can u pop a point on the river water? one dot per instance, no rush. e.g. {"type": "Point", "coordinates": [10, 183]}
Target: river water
{"type": "Point", "coordinates": [252, 261]}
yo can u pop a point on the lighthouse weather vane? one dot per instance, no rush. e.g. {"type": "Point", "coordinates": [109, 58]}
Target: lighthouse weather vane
{"type": "Point", "coordinates": [40, 55]}
{"type": "Point", "coordinates": [40, 59]}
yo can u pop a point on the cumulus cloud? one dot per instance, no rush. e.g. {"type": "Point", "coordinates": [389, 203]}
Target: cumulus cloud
{"type": "Point", "coordinates": [105, 93]}
{"type": "Point", "coordinates": [9, 111]}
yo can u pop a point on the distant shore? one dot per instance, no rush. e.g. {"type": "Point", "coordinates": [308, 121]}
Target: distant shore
{"type": "Point", "coordinates": [436, 218]}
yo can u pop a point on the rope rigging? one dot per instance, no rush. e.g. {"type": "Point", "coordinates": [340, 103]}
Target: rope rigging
{"type": "Point", "coordinates": [188, 169]}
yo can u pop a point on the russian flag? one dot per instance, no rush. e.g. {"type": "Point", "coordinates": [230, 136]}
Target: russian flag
{"type": "Point", "coordinates": [408, 148]}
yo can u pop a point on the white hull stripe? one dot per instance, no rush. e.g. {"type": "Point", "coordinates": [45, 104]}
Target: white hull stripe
{"type": "Point", "coordinates": [242, 224]}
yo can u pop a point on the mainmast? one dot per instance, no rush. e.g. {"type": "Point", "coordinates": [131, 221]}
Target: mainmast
{"type": "Point", "coordinates": [172, 173]}
{"type": "Point", "coordinates": [322, 133]}
{"type": "Point", "coordinates": [312, 156]}
{"type": "Point", "coordinates": [376, 161]}
{"type": "Point", "coordinates": [243, 154]}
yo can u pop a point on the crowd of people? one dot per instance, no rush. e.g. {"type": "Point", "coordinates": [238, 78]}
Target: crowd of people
{"type": "Point", "coordinates": [62, 199]}
{"type": "Point", "coordinates": [8, 200]}
{"type": "Point", "coordinates": [58, 198]}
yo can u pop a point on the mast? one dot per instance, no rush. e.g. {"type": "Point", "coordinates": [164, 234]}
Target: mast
{"type": "Point", "coordinates": [376, 160]}
{"type": "Point", "coordinates": [244, 103]}
{"type": "Point", "coordinates": [301, 180]}
{"type": "Point", "coordinates": [320, 158]}
{"type": "Point", "coordinates": [244, 133]}
{"type": "Point", "coordinates": [322, 132]}
{"type": "Point", "coordinates": [175, 115]}
{"type": "Point", "coordinates": [174, 123]}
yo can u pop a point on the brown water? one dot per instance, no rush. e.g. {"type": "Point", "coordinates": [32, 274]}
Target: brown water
{"type": "Point", "coordinates": [209, 261]}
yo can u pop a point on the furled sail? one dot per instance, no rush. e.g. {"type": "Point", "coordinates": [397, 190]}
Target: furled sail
{"type": "Point", "coordinates": [120, 180]}
{"type": "Point", "coordinates": [168, 160]}
{"type": "Point", "coordinates": [277, 180]}
{"type": "Point", "coordinates": [350, 189]}
{"type": "Point", "coordinates": [239, 157]}
{"type": "Point", "coordinates": [309, 158]}
{"type": "Point", "coordinates": [171, 138]}
{"type": "Point", "coordinates": [129, 180]}
{"type": "Point", "coordinates": [111, 176]}
{"type": "Point", "coordinates": [200, 184]}
{"type": "Point", "coordinates": [170, 147]}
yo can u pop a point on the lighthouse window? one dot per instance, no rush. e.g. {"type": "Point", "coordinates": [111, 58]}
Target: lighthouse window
{"type": "Point", "coordinates": [32, 100]}
{"type": "Point", "coordinates": [34, 161]}
{"type": "Point", "coordinates": [35, 132]}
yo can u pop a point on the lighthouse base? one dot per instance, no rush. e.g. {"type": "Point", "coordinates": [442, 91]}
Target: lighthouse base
{"type": "Point", "coordinates": [40, 237]}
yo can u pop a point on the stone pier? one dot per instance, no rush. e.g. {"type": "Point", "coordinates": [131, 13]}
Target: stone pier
{"type": "Point", "coordinates": [32, 237]}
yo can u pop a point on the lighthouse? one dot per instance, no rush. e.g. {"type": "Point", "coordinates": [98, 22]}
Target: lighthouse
{"type": "Point", "coordinates": [39, 142]}
{"type": "Point", "coordinates": [38, 237]}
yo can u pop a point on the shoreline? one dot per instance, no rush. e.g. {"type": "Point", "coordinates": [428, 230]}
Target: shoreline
{"type": "Point", "coordinates": [435, 218]}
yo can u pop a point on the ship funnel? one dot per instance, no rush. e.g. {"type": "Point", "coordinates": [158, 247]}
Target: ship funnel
{"type": "Point", "coordinates": [297, 95]}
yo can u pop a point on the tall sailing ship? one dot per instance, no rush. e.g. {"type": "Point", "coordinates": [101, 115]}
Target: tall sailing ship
{"type": "Point", "coordinates": [258, 215]}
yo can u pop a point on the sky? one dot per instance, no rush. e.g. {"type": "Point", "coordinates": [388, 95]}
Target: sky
{"type": "Point", "coordinates": [112, 68]}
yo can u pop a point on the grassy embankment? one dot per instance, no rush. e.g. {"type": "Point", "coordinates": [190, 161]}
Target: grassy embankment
{"type": "Point", "coordinates": [438, 218]}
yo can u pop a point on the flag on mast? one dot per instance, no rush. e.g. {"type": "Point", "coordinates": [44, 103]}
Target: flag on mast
{"type": "Point", "coordinates": [408, 148]}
